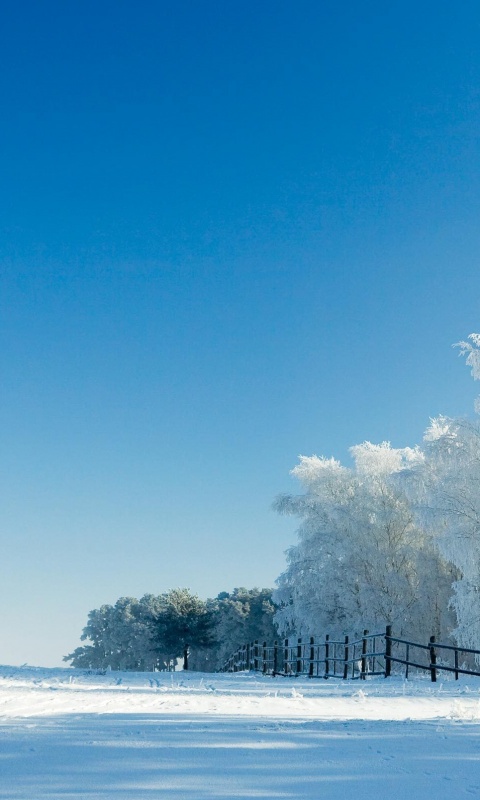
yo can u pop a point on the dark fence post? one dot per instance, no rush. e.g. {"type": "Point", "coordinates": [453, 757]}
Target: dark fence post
{"type": "Point", "coordinates": [345, 665]}
{"type": "Point", "coordinates": [275, 658]}
{"type": "Point", "coordinates": [255, 657]}
{"type": "Point", "coordinates": [248, 656]}
{"type": "Point", "coordinates": [456, 665]}
{"type": "Point", "coordinates": [363, 673]}
{"type": "Point", "coordinates": [388, 651]}
{"type": "Point", "coordinates": [312, 657]}
{"type": "Point", "coordinates": [299, 657]}
{"type": "Point", "coordinates": [264, 665]}
{"type": "Point", "coordinates": [327, 655]}
{"type": "Point", "coordinates": [433, 659]}
{"type": "Point", "coordinates": [285, 658]}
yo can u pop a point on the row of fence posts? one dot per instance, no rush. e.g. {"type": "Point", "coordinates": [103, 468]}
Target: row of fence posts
{"type": "Point", "coordinates": [255, 656]}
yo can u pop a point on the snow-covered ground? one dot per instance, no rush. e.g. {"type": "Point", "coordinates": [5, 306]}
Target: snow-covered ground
{"type": "Point", "coordinates": [140, 736]}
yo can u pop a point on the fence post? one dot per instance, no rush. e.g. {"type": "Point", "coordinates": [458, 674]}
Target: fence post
{"type": "Point", "coordinates": [433, 659]}
{"type": "Point", "coordinates": [264, 665]}
{"type": "Point", "coordinates": [388, 651]}
{"type": "Point", "coordinates": [363, 673]}
{"type": "Point", "coordinates": [275, 658]}
{"type": "Point", "coordinates": [327, 655]}
{"type": "Point", "coordinates": [248, 656]}
{"type": "Point", "coordinates": [312, 657]}
{"type": "Point", "coordinates": [255, 656]}
{"type": "Point", "coordinates": [345, 665]}
{"type": "Point", "coordinates": [456, 665]}
{"type": "Point", "coordinates": [299, 657]}
{"type": "Point", "coordinates": [285, 658]}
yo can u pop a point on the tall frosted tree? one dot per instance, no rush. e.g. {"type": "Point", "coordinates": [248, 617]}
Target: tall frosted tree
{"type": "Point", "coordinates": [445, 489]}
{"type": "Point", "coordinates": [361, 560]}
{"type": "Point", "coordinates": [446, 493]}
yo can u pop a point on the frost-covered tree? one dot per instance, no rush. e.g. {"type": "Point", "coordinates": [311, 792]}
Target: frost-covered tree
{"type": "Point", "coordinates": [185, 625]}
{"type": "Point", "coordinates": [122, 636]}
{"type": "Point", "coordinates": [445, 491]}
{"type": "Point", "coordinates": [471, 351]}
{"type": "Point", "coordinates": [145, 634]}
{"type": "Point", "coordinates": [245, 615]}
{"type": "Point", "coordinates": [361, 559]}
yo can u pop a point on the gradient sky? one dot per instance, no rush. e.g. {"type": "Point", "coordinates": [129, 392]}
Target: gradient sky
{"type": "Point", "coordinates": [230, 233]}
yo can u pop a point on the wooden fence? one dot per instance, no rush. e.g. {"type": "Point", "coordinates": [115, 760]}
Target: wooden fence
{"type": "Point", "coordinates": [372, 654]}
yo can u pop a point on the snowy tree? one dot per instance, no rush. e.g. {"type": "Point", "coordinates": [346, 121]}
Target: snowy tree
{"type": "Point", "coordinates": [186, 624]}
{"type": "Point", "coordinates": [122, 636]}
{"type": "Point", "coordinates": [361, 560]}
{"type": "Point", "coordinates": [471, 351]}
{"type": "Point", "coordinates": [243, 616]}
{"type": "Point", "coordinates": [446, 492]}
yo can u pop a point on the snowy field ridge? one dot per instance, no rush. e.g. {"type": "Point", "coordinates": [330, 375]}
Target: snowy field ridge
{"type": "Point", "coordinates": [33, 692]}
{"type": "Point", "coordinates": [65, 733]}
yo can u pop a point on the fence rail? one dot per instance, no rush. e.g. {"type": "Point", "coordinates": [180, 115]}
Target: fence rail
{"type": "Point", "coordinates": [372, 654]}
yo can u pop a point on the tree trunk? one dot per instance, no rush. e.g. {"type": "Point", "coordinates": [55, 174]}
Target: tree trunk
{"type": "Point", "coordinates": [185, 657]}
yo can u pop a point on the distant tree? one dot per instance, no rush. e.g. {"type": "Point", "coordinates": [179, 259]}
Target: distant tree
{"type": "Point", "coordinates": [242, 616]}
{"type": "Point", "coordinates": [185, 624]}
{"type": "Point", "coordinates": [122, 636]}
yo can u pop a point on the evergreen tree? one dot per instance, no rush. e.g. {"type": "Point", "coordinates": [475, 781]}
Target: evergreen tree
{"type": "Point", "coordinates": [185, 624]}
{"type": "Point", "coordinates": [245, 615]}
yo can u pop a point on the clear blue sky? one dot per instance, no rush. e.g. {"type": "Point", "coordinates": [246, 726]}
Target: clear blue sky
{"type": "Point", "coordinates": [230, 233]}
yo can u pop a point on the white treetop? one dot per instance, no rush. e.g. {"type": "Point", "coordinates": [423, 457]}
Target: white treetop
{"type": "Point", "coordinates": [471, 351]}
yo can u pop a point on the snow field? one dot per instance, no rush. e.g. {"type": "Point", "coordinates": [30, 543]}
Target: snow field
{"type": "Point", "coordinates": [66, 734]}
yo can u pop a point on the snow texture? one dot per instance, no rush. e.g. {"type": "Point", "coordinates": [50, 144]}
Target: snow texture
{"type": "Point", "coordinates": [142, 736]}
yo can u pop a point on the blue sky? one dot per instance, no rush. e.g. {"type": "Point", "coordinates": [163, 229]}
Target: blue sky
{"type": "Point", "coordinates": [229, 234]}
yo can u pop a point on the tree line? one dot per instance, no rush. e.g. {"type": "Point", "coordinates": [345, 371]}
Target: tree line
{"type": "Point", "coordinates": [157, 631]}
